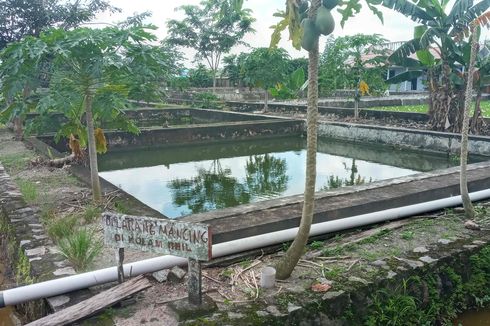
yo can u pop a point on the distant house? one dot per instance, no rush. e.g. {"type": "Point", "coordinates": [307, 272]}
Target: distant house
{"type": "Point", "coordinates": [416, 84]}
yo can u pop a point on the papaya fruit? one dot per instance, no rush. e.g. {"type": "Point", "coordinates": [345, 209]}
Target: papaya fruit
{"type": "Point", "coordinates": [324, 22]}
{"type": "Point", "coordinates": [330, 4]}
{"type": "Point", "coordinates": [303, 6]}
{"type": "Point", "coordinates": [310, 34]}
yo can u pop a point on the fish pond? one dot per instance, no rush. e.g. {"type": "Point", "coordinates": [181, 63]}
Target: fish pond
{"type": "Point", "coordinates": [188, 179]}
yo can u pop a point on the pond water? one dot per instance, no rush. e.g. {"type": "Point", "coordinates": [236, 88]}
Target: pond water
{"type": "Point", "coordinates": [6, 314]}
{"type": "Point", "coordinates": [188, 179]}
{"type": "Point", "coordinates": [474, 318]}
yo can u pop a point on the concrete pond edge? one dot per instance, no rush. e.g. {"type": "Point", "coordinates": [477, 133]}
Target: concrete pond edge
{"type": "Point", "coordinates": [32, 254]}
{"type": "Point", "coordinates": [449, 278]}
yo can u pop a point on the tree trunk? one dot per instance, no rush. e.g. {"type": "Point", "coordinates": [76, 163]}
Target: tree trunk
{"type": "Point", "coordinates": [446, 103]}
{"type": "Point", "coordinates": [92, 152]}
{"type": "Point", "coordinates": [18, 129]}
{"type": "Point", "coordinates": [266, 101]}
{"type": "Point", "coordinates": [214, 81]}
{"type": "Point", "coordinates": [288, 262]}
{"type": "Point", "coordinates": [356, 109]}
{"type": "Point", "coordinates": [468, 206]}
{"type": "Point", "coordinates": [476, 121]}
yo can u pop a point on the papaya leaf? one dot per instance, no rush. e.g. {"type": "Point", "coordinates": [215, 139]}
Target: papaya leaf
{"type": "Point", "coordinates": [352, 7]}
{"type": "Point", "coordinates": [376, 11]}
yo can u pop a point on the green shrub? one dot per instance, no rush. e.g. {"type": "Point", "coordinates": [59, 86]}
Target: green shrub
{"type": "Point", "coordinates": [81, 248]}
{"type": "Point", "coordinates": [207, 100]}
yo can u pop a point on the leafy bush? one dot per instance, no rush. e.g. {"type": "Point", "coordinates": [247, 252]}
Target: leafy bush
{"type": "Point", "coordinates": [291, 88]}
{"type": "Point", "coordinates": [207, 100]}
{"type": "Point", "coordinates": [81, 248]}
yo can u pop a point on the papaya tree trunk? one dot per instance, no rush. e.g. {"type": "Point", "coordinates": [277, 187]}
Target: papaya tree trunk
{"type": "Point", "coordinates": [356, 109]}
{"type": "Point", "coordinates": [290, 259]}
{"type": "Point", "coordinates": [266, 101]}
{"type": "Point", "coordinates": [468, 206]}
{"type": "Point", "coordinates": [18, 129]}
{"type": "Point", "coordinates": [92, 152]}
{"type": "Point", "coordinates": [214, 81]}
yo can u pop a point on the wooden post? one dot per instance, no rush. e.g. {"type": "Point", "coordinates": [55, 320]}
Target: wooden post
{"type": "Point", "coordinates": [194, 285]}
{"type": "Point", "coordinates": [120, 263]}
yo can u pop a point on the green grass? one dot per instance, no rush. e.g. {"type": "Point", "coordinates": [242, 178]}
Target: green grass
{"type": "Point", "coordinates": [423, 108]}
{"type": "Point", "coordinates": [16, 162]}
{"type": "Point", "coordinates": [91, 213]}
{"type": "Point", "coordinates": [62, 228]}
{"type": "Point", "coordinates": [81, 248]}
{"type": "Point", "coordinates": [407, 235]}
{"type": "Point", "coordinates": [28, 190]}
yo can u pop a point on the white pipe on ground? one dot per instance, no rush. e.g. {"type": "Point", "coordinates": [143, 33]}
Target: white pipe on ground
{"type": "Point", "coordinates": [81, 281]}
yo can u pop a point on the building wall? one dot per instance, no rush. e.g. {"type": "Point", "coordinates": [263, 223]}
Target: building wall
{"type": "Point", "coordinates": [405, 86]}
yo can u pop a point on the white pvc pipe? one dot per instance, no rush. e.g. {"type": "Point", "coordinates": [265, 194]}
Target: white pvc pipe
{"type": "Point", "coordinates": [81, 281]}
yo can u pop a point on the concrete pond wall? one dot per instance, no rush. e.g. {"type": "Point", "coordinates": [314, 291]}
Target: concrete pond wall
{"type": "Point", "coordinates": [431, 141]}
{"type": "Point", "coordinates": [152, 116]}
{"type": "Point", "coordinates": [32, 255]}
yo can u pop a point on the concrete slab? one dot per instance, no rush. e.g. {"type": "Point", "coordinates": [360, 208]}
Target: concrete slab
{"type": "Point", "coordinates": [274, 215]}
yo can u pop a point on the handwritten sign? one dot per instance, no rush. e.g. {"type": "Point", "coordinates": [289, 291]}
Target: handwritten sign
{"type": "Point", "coordinates": [188, 240]}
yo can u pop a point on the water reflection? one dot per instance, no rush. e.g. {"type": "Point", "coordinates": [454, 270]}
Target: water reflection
{"type": "Point", "coordinates": [266, 175]}
{"type": "Point", "coordinates": [210, 189]}
{"type": "Point", "coordinates": [190, 179]}
{"type": "Point", "coordinates": [354, 179]}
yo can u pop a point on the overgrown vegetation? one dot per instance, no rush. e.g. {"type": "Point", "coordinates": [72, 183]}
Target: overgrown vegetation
{"type": "Point", "coordinates": [81, 247]}
{"type": "Point", "coordinates": [424, 108]}
{"type": "Point", "coordinates": [207, 100]}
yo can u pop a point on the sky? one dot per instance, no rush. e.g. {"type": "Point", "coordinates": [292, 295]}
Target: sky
{"type": "Point", "coordinates": [396, 27]}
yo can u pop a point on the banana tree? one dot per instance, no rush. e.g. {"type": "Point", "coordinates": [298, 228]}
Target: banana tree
{"type": "Point", "coordinates": [481, 80]}
{"type": "Point", "coordinates": [439, 33]}
{"type": "Point", "coordinates": [91, 75]}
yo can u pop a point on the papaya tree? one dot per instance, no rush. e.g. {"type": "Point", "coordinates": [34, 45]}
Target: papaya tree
{"type": "Point", "coordinates": [305, 22]}
{"type": "Point", "coordinates": [264, 68]}
{"type": "Point", "coordinates": [468, 206]}
{"type": "Point", "coordinates": [440, 30]}
{"type": "Point", "coordinates": [20, 18]}
{"type": "Point", "coordinates": [348, 60]}
{"type": "Point", "coordinates": [91, 76]}
{"type": "Point", "coordinates": [212, 29]}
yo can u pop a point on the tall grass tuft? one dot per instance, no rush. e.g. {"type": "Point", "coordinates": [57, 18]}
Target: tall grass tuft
{"type": "Point", "coordinates": [62, 228]}
{"type": "Point", "coordinates": [91, 213]}
{"type": "Point", "coordinates": [81, 248]}
{"type": "Point", "coordinates": [28, 190]}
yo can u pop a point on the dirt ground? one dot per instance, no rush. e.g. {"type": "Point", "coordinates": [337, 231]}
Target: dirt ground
{"type": "Point", "coordinates": [331, 263]}
{"type": "Point", "coordinates": [57, 194]}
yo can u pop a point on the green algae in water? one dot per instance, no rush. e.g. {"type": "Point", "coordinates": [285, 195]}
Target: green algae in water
{"type": "Point", "coordinates": [187, 179]}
